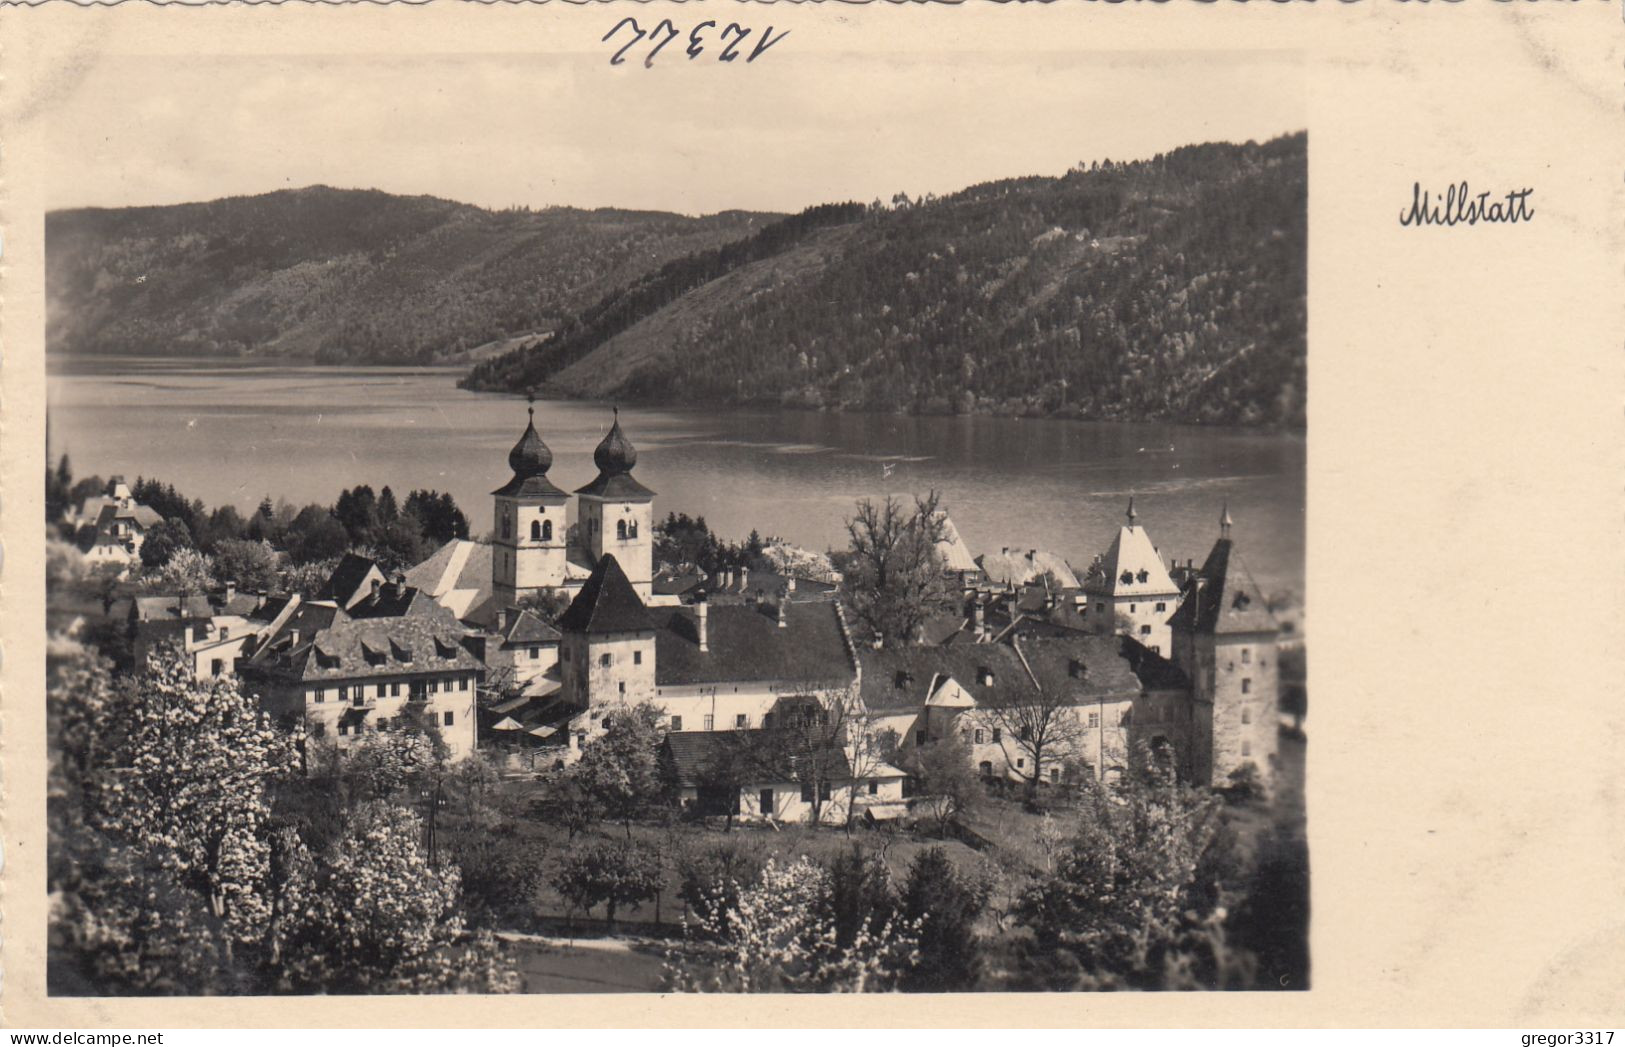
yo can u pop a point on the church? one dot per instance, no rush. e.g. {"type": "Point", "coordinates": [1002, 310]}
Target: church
{"type": "Point", "coordinates": [1190, 666]}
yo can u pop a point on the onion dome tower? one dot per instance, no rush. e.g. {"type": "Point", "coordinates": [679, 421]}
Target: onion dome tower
{"type": "Point", "coordinates": [528, 528]}
{"type": "Point", "coordinates": [615, 512]}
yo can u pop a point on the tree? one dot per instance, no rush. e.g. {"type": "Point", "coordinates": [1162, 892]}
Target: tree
{"type": "Point", "coordinates": [357, 511]}
{"type": "Point", "coordinates": [1136, 900]}
{"type": "Point", "coordinates": [438, 516]}
{"type": "Point", "coordinates": [546, 604]}
{"type": "Point", "coordinates": [620, 767]}
{"type": "Point", "coordinates": [861, 896]}
{"type": "Point", "coordinates": [162, 541]}
{"type": "Point", "coordinates": [566, 799]}
{"type": "Point", "coordinates": [252, 565]}
{"type": "Point", "coordinates": [712, 874]}
{"type": "Point", "coordinates": [780, 937]}
{"type": "Point", "coordinates": [894, 579]}
{"type": "Point", "coordinates": [187, 573]}
{"type": "Point", "coordinates": [943, 770]}
{"type": "Point", "coordinates": [945, 903]}
{"type": "Point", "coordinates": [315, 535]}
{"type": "Point", "coordinates": [188, 784]}
{"type": "Point", "coordinates": [1041, 725]}
{"type": "Point", "coordinates": [609, 873]}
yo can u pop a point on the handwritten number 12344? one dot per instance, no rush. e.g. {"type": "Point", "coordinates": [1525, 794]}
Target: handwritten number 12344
{"type": "Point", "coordinates": [728, 44]}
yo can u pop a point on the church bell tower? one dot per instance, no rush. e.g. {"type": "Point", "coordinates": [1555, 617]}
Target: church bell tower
{"type": "Point", "coordinates": [528, 550]}
{"type": "Point", "coordinates": [614, 511]}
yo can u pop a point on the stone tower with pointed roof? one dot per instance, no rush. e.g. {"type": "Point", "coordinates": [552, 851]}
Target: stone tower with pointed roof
{"type": "Point", "coordinates": [528, 552]}
{"type": "Point", "coordinates": [606, 650]}
{"type": "Point", "coordinates": [1225, 640]}
{"type": "Point", "coordinates": [614, 512]}
{"type": "Point", "coordinates": [1130, 592]}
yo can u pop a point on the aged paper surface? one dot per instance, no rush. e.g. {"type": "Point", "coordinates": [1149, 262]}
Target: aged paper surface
{"type": "Point", "coordinates": [1464, 553]}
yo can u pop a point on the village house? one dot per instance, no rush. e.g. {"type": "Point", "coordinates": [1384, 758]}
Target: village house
{"type": "Point", "coordinates": [213, 629]}
{"type": "Point", "coordinates": [1129, 591]}
{"type": "Point", "coordinates": [354, 676]}
{"type": "Point", "coordinates": [777, 774]}
{"type": "Point", "coordinates": [110, 528]}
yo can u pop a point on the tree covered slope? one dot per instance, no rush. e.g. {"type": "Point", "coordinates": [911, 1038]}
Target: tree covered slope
{"type": "Point", "coordinates": [344, 276]}
{"type": "Point", "coordinates": [1172, 288]}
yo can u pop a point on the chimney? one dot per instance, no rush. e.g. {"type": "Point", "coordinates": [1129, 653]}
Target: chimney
{"type": "Point", "coordinates": [377, 584]}
{"type": "Point", "coordinates": [979, 616]}
{"type": "Point", "coordinates": [744, 578]}
{"type": "Point", "coordinates": [789, 585]}
{"type": "Point", "coordinates": [701, 613]}
{"type": "Point", "coordinates": [293, 637]}
{"type": "Point", "coordinates": [784, 603]}
{"type": "Point", "coordinates": [231, 591]}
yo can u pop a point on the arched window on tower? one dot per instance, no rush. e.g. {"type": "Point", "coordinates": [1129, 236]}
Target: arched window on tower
{"type": "Point", "coordinates": [620, 529]}
{"type": "Point", "coordinates": [507, 526]}
{"type": "Point", "coordinates": [536, 530]}
{"type": "Point", "coordinates": [547, 531]}
{"type": "Point", "coordinates": [632, 529]}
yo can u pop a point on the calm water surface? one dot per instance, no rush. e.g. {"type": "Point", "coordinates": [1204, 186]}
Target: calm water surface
{"type": "Point", "coordinates": [234, 433]}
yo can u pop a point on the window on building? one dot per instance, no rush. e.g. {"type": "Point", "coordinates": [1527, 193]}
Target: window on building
{"type": "Point", "coordinates": [709, 719]}
{"type": "Point", "coordinates": [1246, 655]}
{"type": "Point", "coordinates": [823, 790]}
{"type": "Point", "coordinates": [547, 530]}
{"type": "Point", "coordinates": [742, 721]}
{"type": "Point", "coordinates": [606, 659]}
{"type": "Point", "coordinates": [677, 723]}
{"type": "Point", "coordinates": [979, 735]}
{"type": "Point", "coordinates": [1020, 762]}
{"type": "Point", "coordinates": [434, 686]}
{"type": "Point", "coordinates": [462, 683]}
{"type": "Point", "coordinates": [620, 529]}
{"type": "Point", "coordinates": [318, 729]}
{"type": "Point", "coordinates": [606, 723]}
{"type": "Point", "coordinates": [806, 792]}
{"type": "Point", "coordinates": [1054, 775]}
{"type": "Point", "coordinates": [344, 693]}
{"type": "Point", "coordinates": [535, 653]}
{"type": "Point", "coordinates": [1161, 606]}
{"type": "Point", "coordinates": [1094, 719]}
{"type": "Point", "coordinates": [344, 729]}
{"type": "Point", "coordinates": [620, 686]}
{"type": "Point", "coordinates": [394, 689]}
{"type": "Point", "coordinates": [986, 768]}
{"type": "Point", "coordinates": [1246, 686]}
{"type": "Point", "coordinates": [998, 735]}
{"type": "Point", "coordinates": [919, 737]}
{"type": "Point", "coordinates": [318, 695]}
{"type": "Point", "coordinates": [1246, 716]}
{"type": "Point", "coordinates": [448, 720]}
{"type": "Point", "coordinates": [1131, 608]}
{"type": "Point", "coordinates": [1156, 648]}
{"type": "Point", "coordinates": [632, 529]}
{"type": "Point", "coordinates": [1145, 630]}
{"type": "Point", "coordinates": [637, 657]}
{"type": "Point", "coordinates": [216, 666]}
{"type": "Point", "coordinates": [874, 788]}
{"type": "Point", "coordinates": [536, 530]}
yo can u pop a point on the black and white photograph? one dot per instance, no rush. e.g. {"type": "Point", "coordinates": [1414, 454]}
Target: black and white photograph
{"type": "Point", "coordinates": [832, 522]}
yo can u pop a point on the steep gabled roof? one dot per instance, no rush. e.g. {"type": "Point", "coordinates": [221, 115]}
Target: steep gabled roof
{"type": "Point", "coordinates": [607, 603]}
{"type": "Point", "coordinates": [347, 579]}
{"type": "Point", "coordinates": [1013, 567]}
{"type": "Point", "coordinates": [1224, 598]}
{"type": "Point", "coordinates": [956, 555]}
{"type": "Point", "coordinates": [1131, 567]}
{"type": "Point", "coordinates": [520, 626]}
{"type": "Point", "coordinates": [351, 648]}
{"type": "Point", "coordinates": [745, 643]}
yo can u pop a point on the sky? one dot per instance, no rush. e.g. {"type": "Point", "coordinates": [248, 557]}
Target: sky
{"type": "Point", "coordinates": [791, 130]}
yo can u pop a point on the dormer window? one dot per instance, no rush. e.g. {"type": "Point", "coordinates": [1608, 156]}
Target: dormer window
{"type": "Point", "coordinates": [1076, 669]}
{"type": "Point", "coordinates": [903, 679]}
{"type": "Point", "coordinates": [1143, 576]}
{"type": "Point", "coordinates": [1127, 578]}
{"type": "Point", "coordinates": [984, 676]}
{"type": "Point", "coordinates": [1241, 601]}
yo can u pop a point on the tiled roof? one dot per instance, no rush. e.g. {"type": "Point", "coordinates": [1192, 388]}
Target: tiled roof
{"type": "Point", "coordinates": [901, 679]}
{"type": "Point", "coordinates": [675, 583]}
{"type": "Point", "coordinates": [395, 601]}
{"type": "Point", "coordinates": [620, 487]}
{"type": "Point", "coordinates": [1131, 567]}
{"type": "Point", "coordinates": [1013, 567]}
{"type": "Point", "coordinates": [1155, 672]}
{"type": "Point", "coordinates": [532, 487]}
{"type": "Point", "coordinates": [763, 755]}
{"type": "Point", "coordinates": [347, 578]}
{"type": "Point", "coordinates": [759, 584]}
{"type": "Point", "coordinates": [188, 608]}
{"type": "Point", "coordinates": [349, 649]}
{"type": "Point", "coordinates": [1086, 667]}
{"type": "Point", "coordinates": [607, 603]}
{"type": "Point", "coordinates": [956, 555]}
{"type": "Point", "coordinates": [1225, 599]}
{"type": "Point", "coordinates": [521, 627]}
{"type": "Point", "coordinates": [745, 643]}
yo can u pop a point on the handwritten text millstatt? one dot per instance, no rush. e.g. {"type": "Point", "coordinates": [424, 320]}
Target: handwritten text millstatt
{"type": "Point", "coordinates": [1457, 205]}
{"type": "Point", "coordinates": [725, 46]}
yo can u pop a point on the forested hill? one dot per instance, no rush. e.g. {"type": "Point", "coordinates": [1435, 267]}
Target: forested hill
{"type": "Point", "coordinates": [1171, 288]}
{"type": "Point", "coordinates": [344, 275]}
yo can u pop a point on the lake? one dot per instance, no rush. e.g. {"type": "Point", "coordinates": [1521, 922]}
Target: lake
{"type": "Point", "coordinates": [234, 432]}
